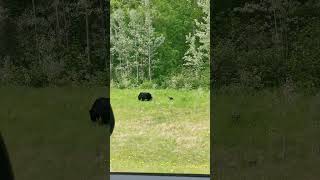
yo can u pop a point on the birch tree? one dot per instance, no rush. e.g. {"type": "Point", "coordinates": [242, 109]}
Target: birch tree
{"type": "Point", "coordinates": [135, 31]}
{"type": "Point", "coordinates": [35, 29]}
{"type": "Point", "coordinates": [134, 42]}
{"type": "Point", "coordinates": [85, 5]}
{"type": "Point", "coordinates": [121, 43]}
{"type": "Point", "coordinates": [152, 41]}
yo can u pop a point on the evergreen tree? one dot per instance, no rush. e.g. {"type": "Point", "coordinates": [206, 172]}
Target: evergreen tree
{"type": "Point", "coordinates": [197, 56]}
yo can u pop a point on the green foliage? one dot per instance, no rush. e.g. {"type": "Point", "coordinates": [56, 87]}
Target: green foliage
{"type": "Point", "coordinates": [175, 19]}
{"type": "Point", "coordinates": [47, 42]}
{"type": "Point", "coordinates": [134, 43]}
{"type": "Point", "coordinates": [187, 80]}
{"type": "Point", "coordinates": [256, 44]}
{"type": "Point", "coordinates": [196, 58]}
{"type": "Point", "coordinates": [262, 44]}
{"type": "Point", "coordinates": [148, 85]}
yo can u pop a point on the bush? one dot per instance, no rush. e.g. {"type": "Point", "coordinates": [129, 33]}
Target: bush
{"type": "Point", "coordinates": [250, 80]}
{"type": "Point", "coordinates": [177, 81]}
{"type": "Point", "coordinates": [148, 85]}
{"type": "Point", "coordinates": [13, 75]}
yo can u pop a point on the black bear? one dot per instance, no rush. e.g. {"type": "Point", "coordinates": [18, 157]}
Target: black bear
{"type": "Point", "coordinates": [170, 98]}
{"type": "Point", "coordinates": [6, 172]}
{"type": "Point", "coordinates": [145, 96]}
{"type": "Point", "coordinates": [101, 111]}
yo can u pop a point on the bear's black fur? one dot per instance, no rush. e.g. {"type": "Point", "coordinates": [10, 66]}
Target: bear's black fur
{"type": "Point", "coordinates": [101, 111]}
{"type": "Point", "coordinates": [6, 172]}
{"type": "Point", "coordinates": [144, 96]}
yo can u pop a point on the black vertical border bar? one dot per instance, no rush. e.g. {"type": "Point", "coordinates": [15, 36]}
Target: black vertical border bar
{"type": "Point", "coordinates": [211, 92]}
{"type": "Point", "coordinates": [105, 5]}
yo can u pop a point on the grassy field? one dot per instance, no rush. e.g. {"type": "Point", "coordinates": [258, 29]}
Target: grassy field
{"type": "Point", "coordinates": [49, 134]}
{"type": "Point", "coordinates": [161, 135]}
{"type": "Point", "coordinates": [275, 137]}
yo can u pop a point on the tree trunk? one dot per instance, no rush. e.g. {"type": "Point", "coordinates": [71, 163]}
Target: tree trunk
{"type": "Point", "coordinates": [105, 21]}
{"type": "Point", "coordinates": [275, 25]}
{"type": "Point", "coordinates": [66, 30]}
{"type": "Point", "coordinates": [57, 19]}
{"type": "Point", "coordinates": [149, 59]}
{"type": "Point", "coordinates": [194, 3]}
{"type": "Point", "coordinates": [137, 72]}
{"type": "Point", "coordinates": [127, 65]}
{"type": "Point", "coordinates": [87, 33]}
{"type": "Point", "coordinates": [275, 18]}
{"type": "Point", "coordinates": [136, 58]}
{"type": "Point", "coordinates": [35, 29]}
{"type": "Point", "coordinates": [111, 68]}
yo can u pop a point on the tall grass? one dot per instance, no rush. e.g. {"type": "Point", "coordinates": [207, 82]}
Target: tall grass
{"type": "Point", "coordinates": [49, 134]}
{"type": "Point", "coordinates": [276, 136]}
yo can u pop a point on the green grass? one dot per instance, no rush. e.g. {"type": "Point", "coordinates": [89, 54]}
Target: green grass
{"type": "Point", "coordinates": [49, 134]}
{"type": "Point", "coordinates": [161, 135]}
{"type": "Point", "coordinates": [276, 129]}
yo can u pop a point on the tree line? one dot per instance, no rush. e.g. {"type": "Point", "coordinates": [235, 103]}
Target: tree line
{"type": "Point", "coordinates": [140, 48]}
{"type": "Point", "coordinates": [58, 42]}
{"type": "Point", "coordinates": [267, 44]}
{"type": "Point", "coordinates": [162, 43]}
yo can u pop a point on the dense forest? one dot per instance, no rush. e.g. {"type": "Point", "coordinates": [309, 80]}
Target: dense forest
{"type": "Point", "coordinates": [268, 43]}
{"type": "Point", "coordinates": [161, 43]}
{"type": "Point", "coordinates": [55, 42]}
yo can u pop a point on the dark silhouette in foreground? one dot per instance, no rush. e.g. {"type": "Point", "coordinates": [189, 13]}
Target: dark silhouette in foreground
{"type": "Point", "coordinates": [6, 172]}
{"type": "Point", "coordinates": [144, 96]}
{"type": "Point", "coordinates": [102, 113]}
